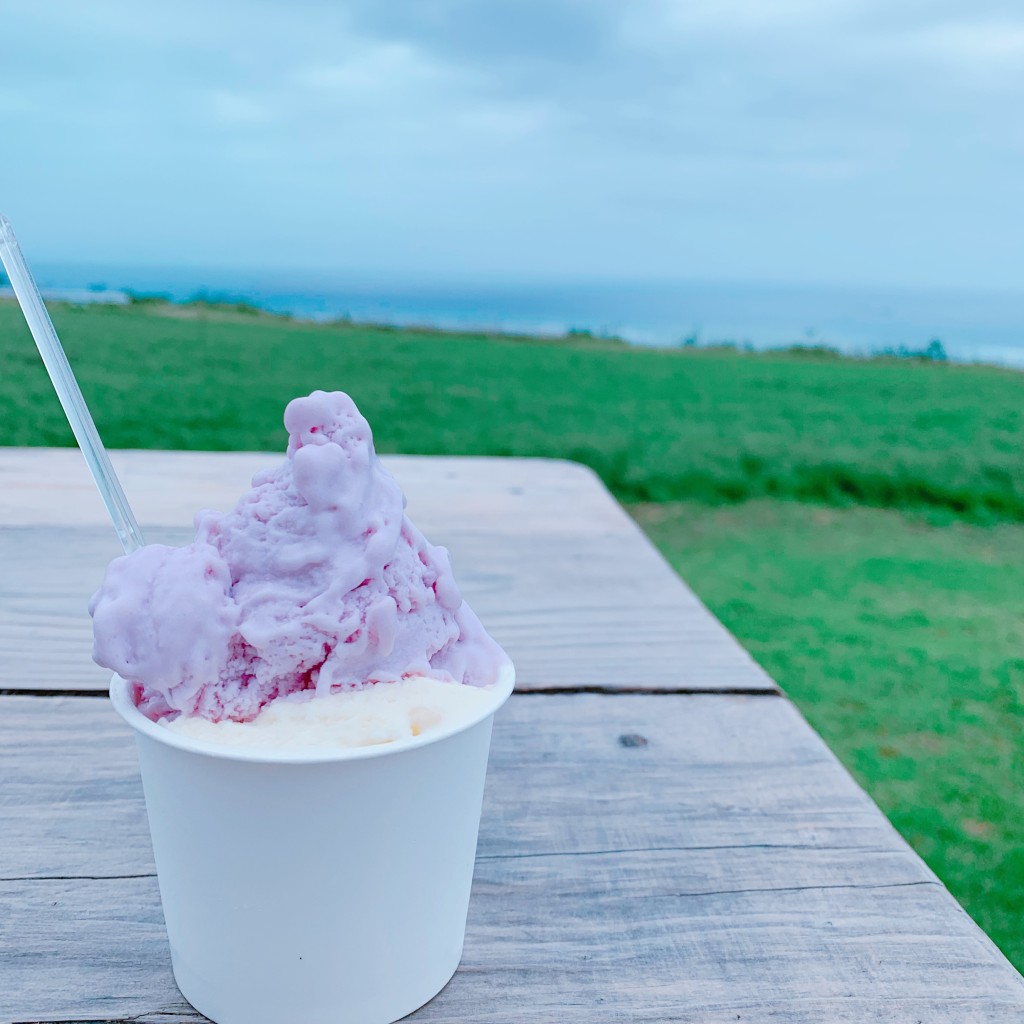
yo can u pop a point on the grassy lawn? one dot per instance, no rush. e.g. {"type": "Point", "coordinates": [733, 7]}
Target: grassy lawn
{"type": "Point", "coordinates": [903, 644]}
{"type": "Point", "coordinates": [859, 525]}
{"type": "Point", "coordinates": [712, 425]}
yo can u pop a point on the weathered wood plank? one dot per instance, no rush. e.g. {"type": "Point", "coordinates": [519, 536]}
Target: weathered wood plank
{"type": "Point", "coordinates": [722, 867]}
{"type": "Point", "coordinates": [66, 801]}
{"type": "Point", "coordinates": [551, 563]}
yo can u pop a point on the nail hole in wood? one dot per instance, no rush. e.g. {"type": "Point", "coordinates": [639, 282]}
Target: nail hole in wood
{"type": "Point", "coordinates": [632, 739]}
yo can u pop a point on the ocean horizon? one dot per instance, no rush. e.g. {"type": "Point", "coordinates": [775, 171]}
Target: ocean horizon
{"type": "Point", "coordinates": [971, 326]}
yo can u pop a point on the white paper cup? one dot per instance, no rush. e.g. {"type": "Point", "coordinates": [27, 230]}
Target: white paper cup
{"type": "Point", "coordinates": [313, 889]}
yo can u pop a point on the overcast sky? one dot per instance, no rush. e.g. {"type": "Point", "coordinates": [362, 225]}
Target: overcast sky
{"type": "Point", "coordinates": [843, 141]}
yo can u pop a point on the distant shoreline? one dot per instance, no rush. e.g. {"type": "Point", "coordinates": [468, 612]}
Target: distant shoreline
{"type": "Point", "coordinates": [162, 304]}
{"type": "Point", "coordinates": [934, 351]}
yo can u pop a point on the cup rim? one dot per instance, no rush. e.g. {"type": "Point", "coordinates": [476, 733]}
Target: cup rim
{"type": "Point", "coordinates": [120, 697]}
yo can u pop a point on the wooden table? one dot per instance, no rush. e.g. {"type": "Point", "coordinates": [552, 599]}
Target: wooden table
{"type": "Point", "coordinates": [663, 839]}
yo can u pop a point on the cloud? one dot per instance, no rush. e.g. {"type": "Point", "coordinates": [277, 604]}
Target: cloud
{"type": "Point", "coordinates": [496, 34]}
{"type": "Point", "coordinates": [588, 136]}
{"type": "Point", "coordinates": [237, 109]}
{"type": "Point", "coordinates": [973, 44]}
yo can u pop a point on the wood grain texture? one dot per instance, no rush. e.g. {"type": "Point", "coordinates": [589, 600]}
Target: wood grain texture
{"type": "Point", "coordinates": [558, 572]}
{"type": "Point", "coordinates": [715, 865]}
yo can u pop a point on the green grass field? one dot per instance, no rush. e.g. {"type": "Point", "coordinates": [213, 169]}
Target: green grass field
{"type": "Point", "coordinates": [709, 425]}
{"type": "Point", "coordinates": [859, 525]}
{"type": "Point", "coordinates": [903, 644]}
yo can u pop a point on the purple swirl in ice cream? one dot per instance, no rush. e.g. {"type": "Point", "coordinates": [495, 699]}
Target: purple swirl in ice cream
{"type": "Point", "coordinates": [316, 580]}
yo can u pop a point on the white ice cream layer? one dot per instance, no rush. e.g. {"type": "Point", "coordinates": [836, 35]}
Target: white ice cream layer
{"type": "Point", "coordinates": [381, 713]}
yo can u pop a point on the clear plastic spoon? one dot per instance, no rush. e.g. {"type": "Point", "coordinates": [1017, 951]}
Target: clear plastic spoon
{"type": "Point", "coordinates": [67, 388]}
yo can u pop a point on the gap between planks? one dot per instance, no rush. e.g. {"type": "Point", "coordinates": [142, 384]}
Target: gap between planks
{"type": "Point", "coordinates": [552, 691]}
{"type": "Point", "coordinates": [622, 851]}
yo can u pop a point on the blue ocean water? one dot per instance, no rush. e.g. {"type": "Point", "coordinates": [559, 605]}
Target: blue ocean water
{"type": "Point", "coordinates": [972, 326]}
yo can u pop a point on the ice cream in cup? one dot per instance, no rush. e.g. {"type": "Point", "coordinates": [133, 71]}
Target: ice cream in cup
{"type": "Point", "coordinates": [312, 702]}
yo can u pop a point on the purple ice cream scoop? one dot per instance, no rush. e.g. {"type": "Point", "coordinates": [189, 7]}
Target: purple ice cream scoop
{"type": "Point", "coordinates": [316, 580]}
